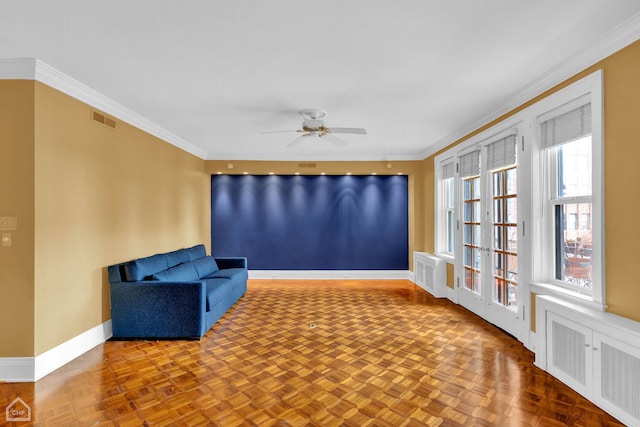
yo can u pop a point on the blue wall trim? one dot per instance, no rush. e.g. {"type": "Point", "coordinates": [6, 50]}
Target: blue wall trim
{"type": "Point", "coordinates": [283, 222]}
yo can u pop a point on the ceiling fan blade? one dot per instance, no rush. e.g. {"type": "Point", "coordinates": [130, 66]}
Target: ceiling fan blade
{"type": "Point", "coordinates": [296, 141]}
{"type": "Point", "coordinates": [280, 131]}
{"type": "Point", "coordinates": [359, 131]}
{"type": "Point", "coordinates": [334, 140]}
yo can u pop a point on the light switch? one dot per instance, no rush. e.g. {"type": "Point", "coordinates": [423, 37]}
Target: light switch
{"type": "Point", "coordinates": [6, 239]}
{"type": "Point", "coordinates": [8, 223]}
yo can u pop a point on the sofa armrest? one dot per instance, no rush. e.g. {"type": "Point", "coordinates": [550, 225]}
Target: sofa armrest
{"type": "Point", "coordinates": [231, 262]}
{"type": "Point", "coordinates": [154, 310]}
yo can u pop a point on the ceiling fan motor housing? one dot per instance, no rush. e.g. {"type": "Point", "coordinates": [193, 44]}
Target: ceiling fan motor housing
{"type": "Point", "coordinates": [312, 113]}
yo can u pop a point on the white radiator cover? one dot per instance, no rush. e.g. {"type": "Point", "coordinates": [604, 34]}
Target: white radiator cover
{"type": "Point", "coordinates": [431, 273]}
{"type": "Point", "coordinates": [594, 352]}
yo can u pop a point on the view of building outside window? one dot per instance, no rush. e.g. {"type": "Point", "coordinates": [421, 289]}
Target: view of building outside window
{"type": "Point", "coordinates": [573, 226]}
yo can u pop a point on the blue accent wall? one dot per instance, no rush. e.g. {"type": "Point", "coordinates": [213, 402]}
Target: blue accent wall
{"type": "Point", "coordinates": [297, 222]}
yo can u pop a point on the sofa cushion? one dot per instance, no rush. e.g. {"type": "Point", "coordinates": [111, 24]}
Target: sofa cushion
{"type": "Point", "coordinates": [142, 268]}
{"type": "Point", "coordinates": [177, 257]}
{"type": "Point", "coordinates": [205, 266]}
{"type": "Point", "coordinates": [229, 273]}
{"type": "Point", "coordinates": [185, 272]}
{"type": "Point", "coordinates": [217, 290]}
{"type": "Point", "coordinates": [195, 252]}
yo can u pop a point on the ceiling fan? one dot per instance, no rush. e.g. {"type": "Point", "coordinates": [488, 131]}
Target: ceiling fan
{"type": "Point", "coordinates": [313, 126]}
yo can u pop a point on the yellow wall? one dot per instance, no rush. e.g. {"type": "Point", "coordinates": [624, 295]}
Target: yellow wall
{"type": "Point", "coordinates": [101, 196]}
{"type": "Point", "coordinates": [622, 151]}
{"type": "Point", "coordinates": [17, 190]}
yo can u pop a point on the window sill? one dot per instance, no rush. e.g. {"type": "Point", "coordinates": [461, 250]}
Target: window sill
{"type": "Point", "coordinates": [566, 295]}
{"type": "Point", "coordinates": [447, 257]}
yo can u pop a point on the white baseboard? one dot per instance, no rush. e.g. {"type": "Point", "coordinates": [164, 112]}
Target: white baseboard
{"type": "Point", "coordinates": [17, 369]}
{"type": "Point", "coordinates": [330, 274]}
{"type": "Point", "coordinates": [531, 345]}
{"type": "Point", "coordinates": [30, 369]}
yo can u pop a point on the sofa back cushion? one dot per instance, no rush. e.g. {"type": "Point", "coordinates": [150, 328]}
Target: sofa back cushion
{"type": "Point", "coordinates": [177, 257]}
{"type": "Point", "coordinates": [185, 272]}
{"type": "Point", "coordinates": [195, 252]}
{"type": "Point", "coordinates": [144, 268]}
{"type": "Point", "coordinates": [205, 266]}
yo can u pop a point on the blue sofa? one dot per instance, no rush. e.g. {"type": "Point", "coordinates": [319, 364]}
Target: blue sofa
{"type": "Point", "coordinates": [174, 295]}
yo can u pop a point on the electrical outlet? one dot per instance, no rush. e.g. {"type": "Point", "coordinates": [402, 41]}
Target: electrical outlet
{"type": "Point", "coordinates": [6, 239]}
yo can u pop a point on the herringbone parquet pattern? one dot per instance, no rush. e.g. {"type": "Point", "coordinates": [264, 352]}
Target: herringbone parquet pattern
{"type": "Point", "coordinates": [322, 353]}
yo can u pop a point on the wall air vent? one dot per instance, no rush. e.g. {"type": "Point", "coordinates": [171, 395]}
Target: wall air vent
{"type": "Point", "coordinates": [97, 116]}
{"type": "Point", "coordinates": [306, 165]}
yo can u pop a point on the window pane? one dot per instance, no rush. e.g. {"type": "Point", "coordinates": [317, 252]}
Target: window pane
{"type": "Point", "coordinates": [476, 235]}
{"type": "Point", "coordinates": [497, 237]}
{"type": "Point", "coordinates": [512, 239]}
{"type": "Point", "coordinates": [573, 244]}
{"type": "Point", "coordinates": [497, 184]}
{"type": "Point", "coordinates": [476, 212]}
{"type": "Point", "coordinates": [497, 210]}
{"type": "Point", "coordinates": [512, 268]}
{"type": "Point", "coordinates": [512, 294]}
{"type": "Point", "coordinates": [467, 234]}
{"type": "Point", "coordinates": [451, 231]}
{"type": "Point", "coordinates": [498, 269]}
{"type": "Point", "coordinates": [573, 168]}
{"type": "Point", "coordinates": [467, 211]}
{"type": "Point", "coordinates": [451, 199]}
{"type": "Point", "coordinates": [511, 210]}
{"type": "Point", "coordinates": [511, 182]}
{"type": "Point", "coordinates": [476, 188]}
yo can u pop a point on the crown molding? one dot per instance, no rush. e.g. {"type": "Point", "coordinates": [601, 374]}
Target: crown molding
{"type": "Point", "coordinates": [34, 69]}
{"type": "Point", "coordinates": [615, 40]}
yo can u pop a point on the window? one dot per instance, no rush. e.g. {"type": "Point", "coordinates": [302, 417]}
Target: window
{"type": "Point", "coordinates": [445, 214]}
{"type": "Point", "coordinates": [567, 141]}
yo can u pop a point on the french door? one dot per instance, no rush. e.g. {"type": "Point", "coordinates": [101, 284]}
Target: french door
{"type": "Point", "coordinates": [487, 233]}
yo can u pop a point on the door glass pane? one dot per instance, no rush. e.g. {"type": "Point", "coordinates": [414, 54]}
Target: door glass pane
{"type": "Point", "coordinates": [511, 182]}
{"type": "Point", "coordinates": [505, 238]}
{"type": "Point", "coordinates": [511, 238]}
{"type": "Point", "coordinates": [471, 227]}
{"type": "Point", "coordinates": [497, 210]}
{"type": "Point", "coordinates": [511, 210]}
{"type": "Point", "coordinates": [498, 234]}
{"type": "Point", "coordinates": [497, 184]}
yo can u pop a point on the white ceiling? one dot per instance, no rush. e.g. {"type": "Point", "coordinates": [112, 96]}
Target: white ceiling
{"type": "Point", "coordinates": [415, 73]}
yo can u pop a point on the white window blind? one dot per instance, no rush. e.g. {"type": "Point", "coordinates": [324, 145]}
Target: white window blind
{"type": "Point", "coordinates": [502, 153]}
{"type": "Point", "coordinates": [470, 164]}
{"type": "Point", "coordinates": [567, 127]}
{"type": "Point", "coordinates": [447, 171]}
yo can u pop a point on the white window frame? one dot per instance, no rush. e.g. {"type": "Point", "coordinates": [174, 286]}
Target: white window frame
{"type": "Point", "coordinates": [538, 275]}
{"type": "Point", "coordinates": [441, 209]}
{"type": "Point", "coordinates": [589, 89]}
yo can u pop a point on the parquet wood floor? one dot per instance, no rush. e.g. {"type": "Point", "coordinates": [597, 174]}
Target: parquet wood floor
{"type": "Point", "coordinates": [319, 353]}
